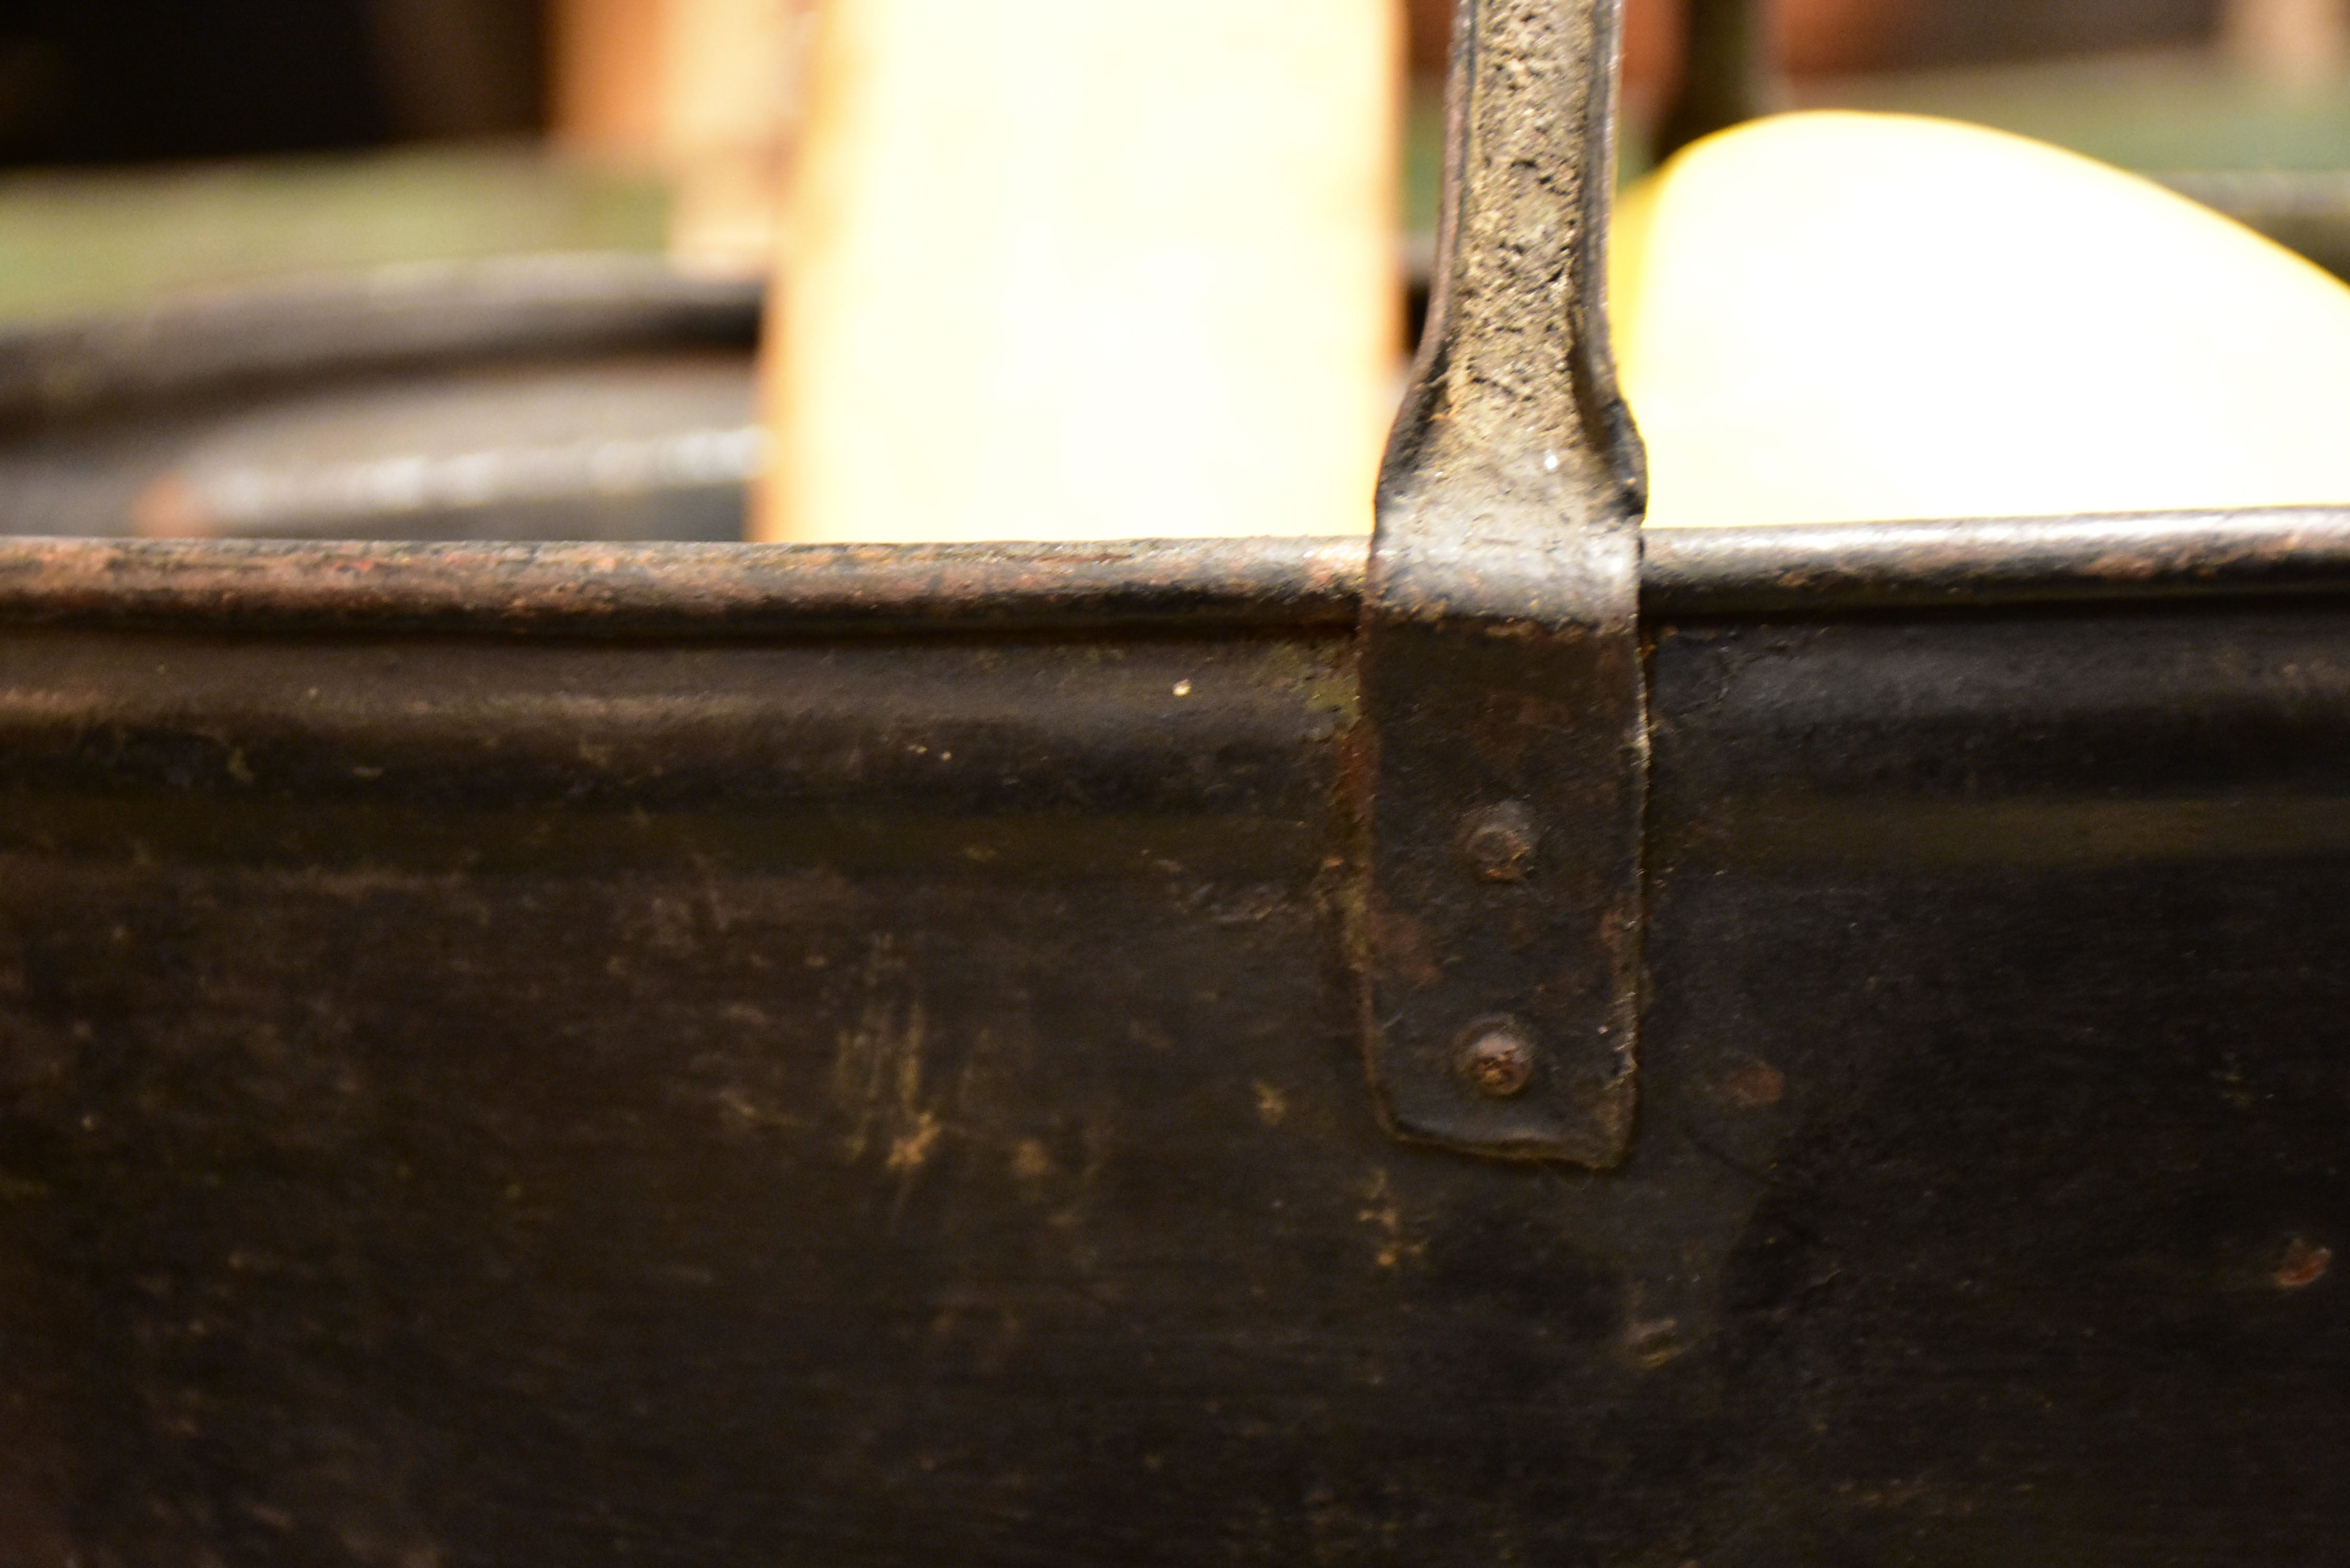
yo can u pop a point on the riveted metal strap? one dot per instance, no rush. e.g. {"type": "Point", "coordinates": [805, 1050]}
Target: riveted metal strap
{"type": "Point", "coordinates": [1503, 768]}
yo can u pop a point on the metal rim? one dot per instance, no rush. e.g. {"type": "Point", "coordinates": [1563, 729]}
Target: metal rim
{"type": "Point", "coordinates": [723, 590]}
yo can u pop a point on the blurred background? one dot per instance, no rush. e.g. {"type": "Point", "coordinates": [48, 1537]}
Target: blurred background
{"type": "Point", "coordinates": [148, 143]}
{"type": "Point", "coordinates": [579, 201]}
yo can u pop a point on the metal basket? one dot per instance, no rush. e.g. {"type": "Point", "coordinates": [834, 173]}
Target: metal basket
{"type": "Point", "coordinates": [1811, 1046]}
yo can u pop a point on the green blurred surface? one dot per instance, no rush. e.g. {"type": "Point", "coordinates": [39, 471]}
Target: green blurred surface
{"type": "Point", "coordinates": [1423, 156]}
{"type": "Point", "coordinates": [2156, 113]}
{"type": "Point", "coordinates": [72, 243]}
{"type": "Point", "coordinates": [2149, 112]}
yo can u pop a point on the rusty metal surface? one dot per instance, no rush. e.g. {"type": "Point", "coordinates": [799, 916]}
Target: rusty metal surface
{"type": "Point", "coordinates": [506, 1051]}
{"type": "Point", "coordinates": [678, 590]}
{"type": "Point", "coordinates": [722, 1055]}
{"type": "Point", "coordinates": [459, 823]}
{"type": "Point", "coordinates": [476, 1093]}
{"type": "Point", "coordinates": [1499, 642]}
{"type": "Point", "coordinates": [738, 590]}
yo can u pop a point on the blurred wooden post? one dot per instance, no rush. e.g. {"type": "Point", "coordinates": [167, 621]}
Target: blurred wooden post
{"type": "Point", "coordinates": [2293, 43]}
{"type": "Point", "coordinates": [1089, 268]}
{"type": "Point", "coordinates": [705, 92]}
{"type": "Point", "coordinates": [607, 75]}
{"type": "Point", "coordinates": [1730, 74]}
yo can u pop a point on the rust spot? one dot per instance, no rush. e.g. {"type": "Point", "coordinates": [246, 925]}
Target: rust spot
{"type": "Point", "coordinates": [1358, 770]}
{"type": "Point", "coordinates": [911, 1150]}
{"type": "Point", "coordinates": [1272, 1105]}
{"type": "Point", "coordinates": [2304, 1265]}
{"type": "Point", "coordinates": [1656, 1343]}
{"type": "Point", "coordinates": [1755, 1085]}
{"type": "Point", "coordinates": [1395, 1247]}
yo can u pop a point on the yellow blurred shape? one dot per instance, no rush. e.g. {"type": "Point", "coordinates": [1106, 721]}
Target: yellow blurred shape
{"type": "Point", "coordinates": [1831, 317]}
{"type": "Point", "coordinates": [1066, 269]}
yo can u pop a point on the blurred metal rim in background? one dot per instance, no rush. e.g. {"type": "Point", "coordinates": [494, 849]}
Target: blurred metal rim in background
{"type": "Point", "coordinates": [608, 397]}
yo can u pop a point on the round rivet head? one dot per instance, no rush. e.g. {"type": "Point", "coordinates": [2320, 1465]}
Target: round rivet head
{"type": "Point", "coordinates": [1497, 1060]}
{"type": "Point", "coordinates": [1500, 841]}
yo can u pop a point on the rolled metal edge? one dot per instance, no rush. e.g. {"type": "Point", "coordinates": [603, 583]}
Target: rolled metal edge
{"type": "Point", "coordinates": [767, 590]}
{"type": "Point", "coordinates": [677, 589]}
{"type": "Point", "coordinates": [1844, 567]}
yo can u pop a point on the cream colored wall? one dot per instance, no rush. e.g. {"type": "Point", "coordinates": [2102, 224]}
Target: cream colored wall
{"type": "Point", "coordinates": [1069, 269]}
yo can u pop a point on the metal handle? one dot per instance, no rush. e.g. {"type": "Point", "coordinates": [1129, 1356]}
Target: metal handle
{"type": "Point", "coordinates": [1515, 367]}
{"type": "Point", "coordinates": [1505, 751]}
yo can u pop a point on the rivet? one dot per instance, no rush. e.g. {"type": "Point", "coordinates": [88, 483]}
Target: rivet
{"type": "Point", "coordinates": [1497, 1060]}
{"type": "Point", "coordinates": [1500, 841]}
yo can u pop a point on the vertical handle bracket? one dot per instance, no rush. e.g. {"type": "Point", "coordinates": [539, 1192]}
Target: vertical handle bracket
{"type": "Point", "coordinates": [1503, 774]}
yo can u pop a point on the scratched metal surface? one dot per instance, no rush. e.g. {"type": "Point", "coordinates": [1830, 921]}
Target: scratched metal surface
{"type": "Point", "coordinates": [477, 1095]}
